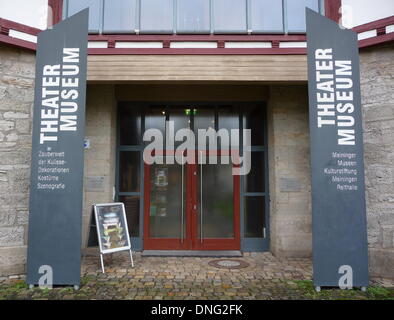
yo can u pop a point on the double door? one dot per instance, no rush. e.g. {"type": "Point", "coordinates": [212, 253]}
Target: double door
{"type": "Point", "coordinates": [191, 206]}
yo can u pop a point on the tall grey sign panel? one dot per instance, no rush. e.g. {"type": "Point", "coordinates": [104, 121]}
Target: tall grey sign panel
{"type": "Point", "coordinates": [56, 183]}
{"type": "Point", "coordinates": [340, 250]}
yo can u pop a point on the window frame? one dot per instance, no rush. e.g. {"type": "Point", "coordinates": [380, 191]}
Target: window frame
{"type": "Point", "coordinates": [322, 8]}
{"type": "Point", "coordinates": [247, 244]}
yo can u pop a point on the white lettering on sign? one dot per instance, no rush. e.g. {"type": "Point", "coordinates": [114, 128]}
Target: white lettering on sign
{"type": "Point", "coordinates": [59, 94]}
{"type": "Point", "coordinates": [334, 86]}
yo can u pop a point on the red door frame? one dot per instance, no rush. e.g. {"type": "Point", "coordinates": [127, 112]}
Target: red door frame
{"type": "Point", "coordinates": [191, 237]}
{"type": "Point", "coordinates": [166, 243]}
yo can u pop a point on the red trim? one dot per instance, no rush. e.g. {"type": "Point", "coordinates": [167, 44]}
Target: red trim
{"type": "Point", "coordinates": [375, 24]}
{"type": "Point", "coordinates": [8, 24]}
{"type": "Point", "coordinates": [17, 42]}
{"type": "Point", "coordinates": [331, 9]}
{"type": "Point", "coordinates": [57, 10]}
{"type": "Point", "coordinates": [166, 51]}
{"type": "Point", "coordinates": [204, 38]}
{"type": "Point", "coordinates": [376, 40]}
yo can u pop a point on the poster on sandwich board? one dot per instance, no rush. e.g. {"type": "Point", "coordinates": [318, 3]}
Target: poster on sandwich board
{"type": "Point", "coordinates": [112, 230]}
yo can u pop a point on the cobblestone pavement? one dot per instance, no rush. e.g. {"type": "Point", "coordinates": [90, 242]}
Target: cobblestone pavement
{"type": "Point", "coordinates": [165, 278]}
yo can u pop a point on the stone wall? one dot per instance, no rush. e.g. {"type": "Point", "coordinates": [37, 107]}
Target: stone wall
{"type": "Point", "coordinates": [289, 173]}
{"type": "Point", "coordinates": [377, 90]}
{"type": "Point", "coordinates": [100, 158]}
{"type": "Point", "coordinates": [16, 101]}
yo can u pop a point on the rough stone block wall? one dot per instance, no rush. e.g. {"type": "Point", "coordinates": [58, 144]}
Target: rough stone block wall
{"type": "Point", "coordinates": [289, 171]}
{"type": "Point", "coordinates": [377, 90]}
{"type": "Point", "coordinates": [100, 158]}
{"type": "Point", "coordinates": [17, 68]}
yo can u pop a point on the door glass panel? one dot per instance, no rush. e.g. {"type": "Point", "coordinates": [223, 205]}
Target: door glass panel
{"type": "Point", "coordinates": [166, 201]}
{"type": "Point", "coordinates": [254, 217]}
{"type": "Point", "coordinates": [193, 16]}
{"type": "Point", "coordinates": [120, 16]}
{"type": "Point", "coordinates": [181, 120]}
{"type": "Point", "coordinates": [254, 180]}
{"type": "Point", "coordinates": [266, 15]}
{"type": "Point", "coordinates": [129, 171]}
{"type": "Point", "coordinates": [132, 207]}
{"type": "Point", "coordinates": [156, 119]}
{"type": "Point", "coordinates": [217, 201]}
{"type": "Point", "coordinates": [228, 119]}
{"type": "Point", "coordinates": [204, 118]}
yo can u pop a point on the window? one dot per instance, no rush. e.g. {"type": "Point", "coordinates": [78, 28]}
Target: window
{"type": "Point", "coordinates": [157, 16]}
{"type": "Point", "coordinates": [120, 16]}
{"type": "Point", "coordinates": [129, 171]}
{"type": "Point", "coordinates": [129, 160]}
{"type": "Point", "coordinates": [74, 6]}
{"type": "Point", "coordinates": [193, 16]}
{"type": "Point", "coordinates": [296, 13]}
{"type": "Point", "coordinates": [132, 208]}
{"type": "Point", "coordinates": [252, 119]}
{"type": "Point", "coordinates": [229, 16]}
{"type": "Point", "coordinates": [254, 217]}
{"type": "Point", "coordinates": [266, 16]}
{"type": "Point", "coordinates": [253, 190]}
{"type": "Point", "coordinates": [254, 181]}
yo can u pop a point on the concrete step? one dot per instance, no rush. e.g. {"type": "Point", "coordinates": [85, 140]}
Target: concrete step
{"type": "Point", "coordinates": [192, 253]}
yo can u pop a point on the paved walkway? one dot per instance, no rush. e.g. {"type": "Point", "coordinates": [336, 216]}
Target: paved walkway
{"type": "Point", "coordinates": [266, 277]}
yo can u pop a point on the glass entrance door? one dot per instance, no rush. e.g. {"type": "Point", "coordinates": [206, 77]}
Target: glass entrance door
{"type": "Point", "coordinates": [190, 206]}
{"type": "Point", "coordinates": [216, 206]}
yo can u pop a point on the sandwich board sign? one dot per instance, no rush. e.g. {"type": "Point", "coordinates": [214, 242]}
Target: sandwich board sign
{"type": "Point", "coordinates": [57, 161]}
{"type": "Point", "coordinates": [112, 230]}
{"type": "Point", "coordinates": [339, 230]}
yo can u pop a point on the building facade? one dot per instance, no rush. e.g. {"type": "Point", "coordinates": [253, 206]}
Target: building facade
{"type": "Point", "coordinates": [218, 64]}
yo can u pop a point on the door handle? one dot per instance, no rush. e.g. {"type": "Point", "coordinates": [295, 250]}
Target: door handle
{"type": "Point", "coordinates": [201, 233]}
{"type": "Point", "coordinates": [182, 206]}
